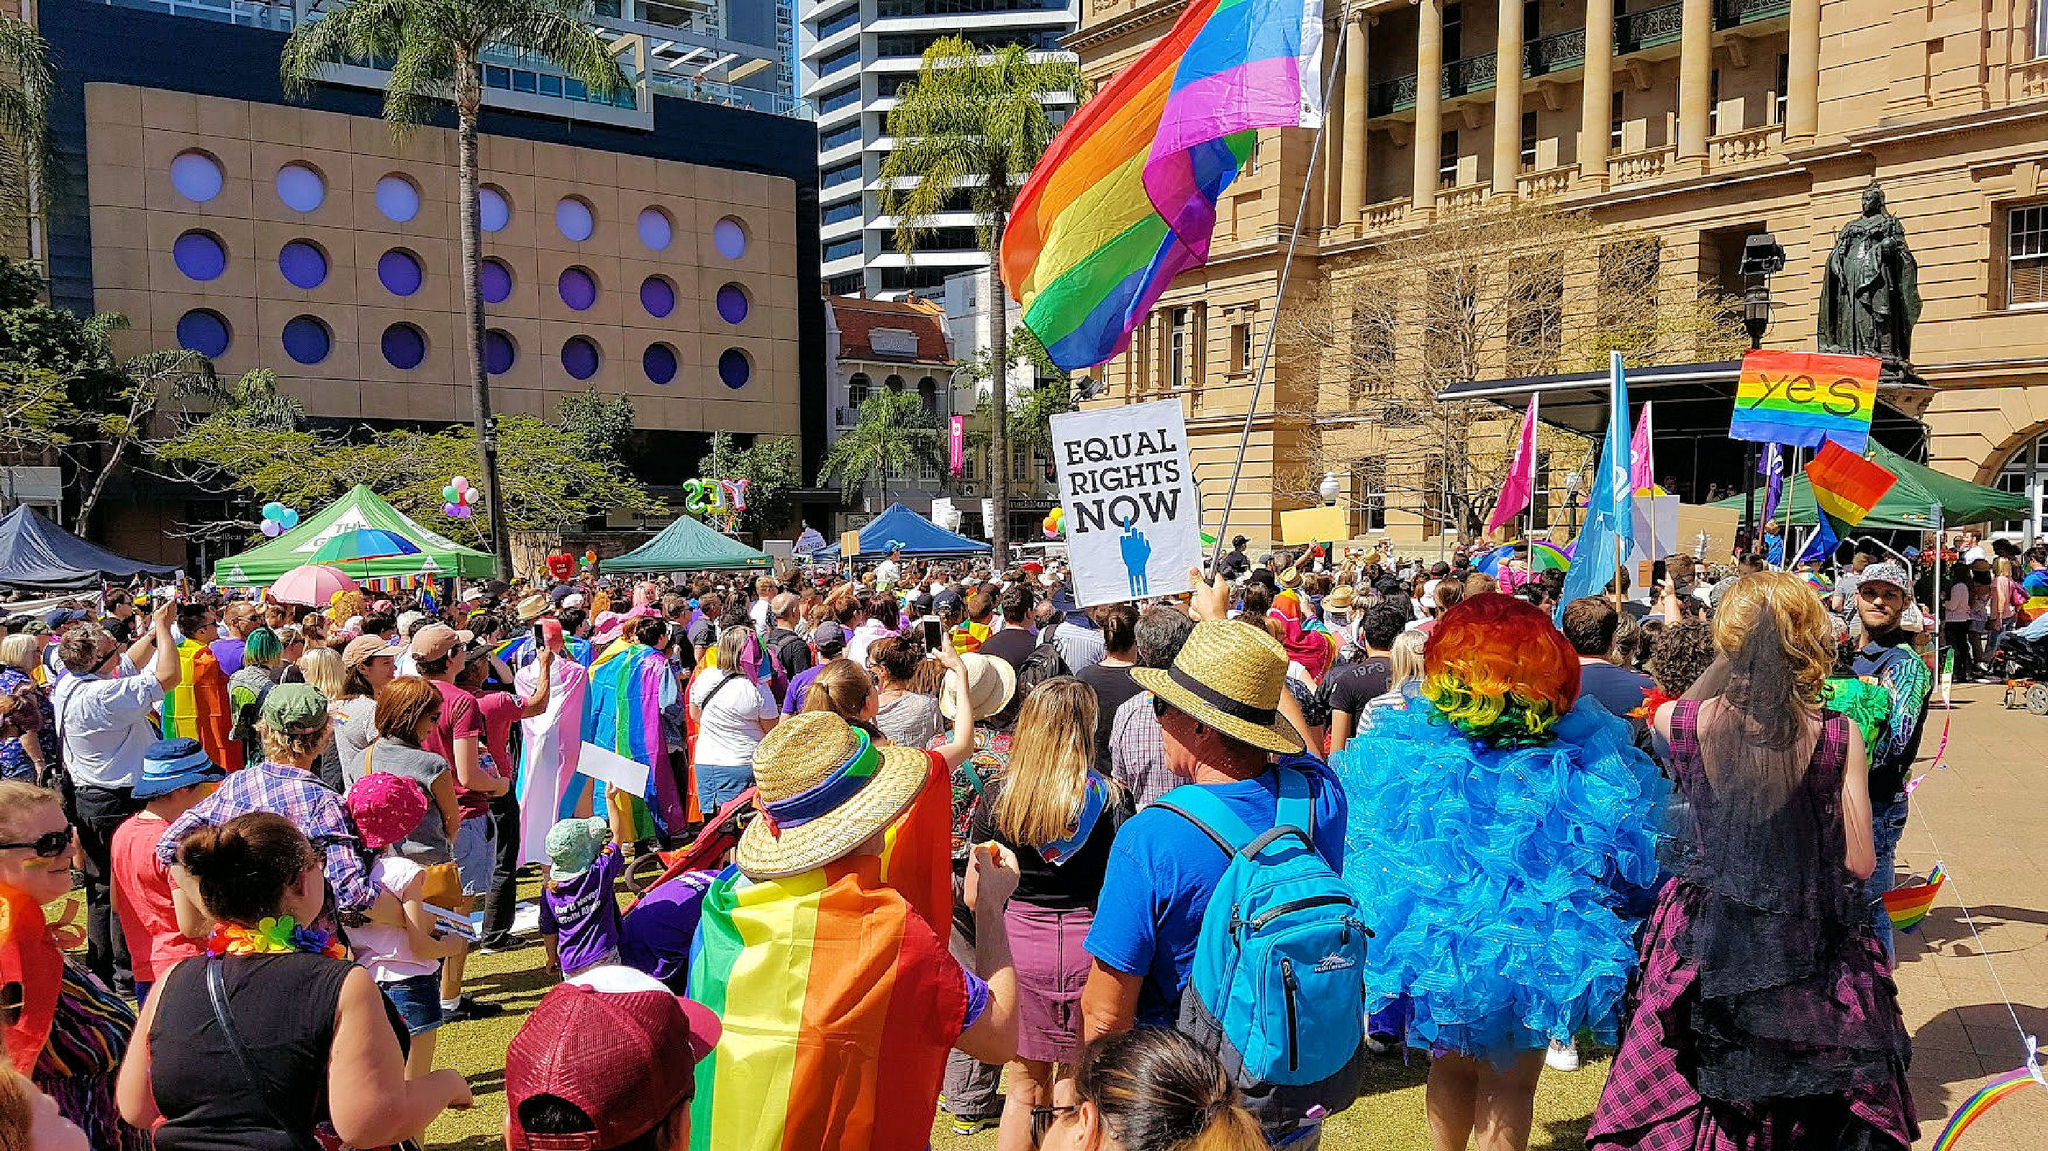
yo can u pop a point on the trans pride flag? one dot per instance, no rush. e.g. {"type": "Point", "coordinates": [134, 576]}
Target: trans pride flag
{"type": "Point", "coordinates": [630, 686]}
{"type": "Point", "coordinates": [1125, 198]}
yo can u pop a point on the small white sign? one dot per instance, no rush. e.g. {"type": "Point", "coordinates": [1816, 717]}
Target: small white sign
{"type": "Point", "coordinates": [602, 763]}
{"type": "Point", "coordinates": [1133, 519]}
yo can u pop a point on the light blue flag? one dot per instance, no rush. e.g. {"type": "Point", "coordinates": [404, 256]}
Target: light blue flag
{"type": "Point", "coordinates": [1610, 507]}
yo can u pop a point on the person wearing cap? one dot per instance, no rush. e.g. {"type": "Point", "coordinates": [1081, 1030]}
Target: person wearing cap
{"type": "Point", "coordinates": [439, 653]}
{"type": "Point", "coordinates": [368, 663]}
{"type": "Point", "coordinates": [175, 775]}
{"type": "Point", "coordinates": [1235, 561]}
{"type": "Point", "coordinates": [405, 957]}
{"type": "Point", "coordinates": [295, 727]}
{"type": "Point", "coordinates": [608, 1061]}
{"type": "Point", "coordinates": [828, 797]}
{"type": "Point", "coordinates": [579, 902]}
{"type": "Point", "coordinates": [1887, 655]}
{"type": "Point", "coordinates": [891, 569]}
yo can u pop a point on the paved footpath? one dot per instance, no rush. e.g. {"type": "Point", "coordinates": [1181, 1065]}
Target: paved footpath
{"type": "Point", "coordinates": [1985, 817]}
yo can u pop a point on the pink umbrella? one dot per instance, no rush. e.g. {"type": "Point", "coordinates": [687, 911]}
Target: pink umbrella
{"type": "Point", "coordinates": [313, 585]}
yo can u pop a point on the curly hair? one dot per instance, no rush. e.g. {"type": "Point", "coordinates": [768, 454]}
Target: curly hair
{"type": "Point", "coordinates": [1497, 670]}
{"type": "Point", "coordinates": [1682, 653]}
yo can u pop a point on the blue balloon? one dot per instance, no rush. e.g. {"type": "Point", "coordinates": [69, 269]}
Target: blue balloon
{"type": "Point", "coordinates": [290, 519]}
{"type": "Point", "coordinates": [273, 511]}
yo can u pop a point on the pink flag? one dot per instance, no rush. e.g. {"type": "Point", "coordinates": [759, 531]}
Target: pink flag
{"type": "Point", "coordinates": [956, 445]}
{"type": "Point", "coordinates": [1639, 467]}
{"type": "Point", "coordinates": [1520, 485]}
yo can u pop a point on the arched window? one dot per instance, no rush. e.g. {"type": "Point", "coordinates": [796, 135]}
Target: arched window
{"type": "Point", "coordinates": [893, 383]}
{"type": "Point", "coordinates": [2026, 473]}
{"type": "Point", "coordinates": [857, 388]}
{"type": "Point", "coordinates": [928, 393]}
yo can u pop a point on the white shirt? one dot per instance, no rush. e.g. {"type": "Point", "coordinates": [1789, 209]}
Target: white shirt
{"type": "Point", "coordinates": [759, 614]}
{"type": "Point", "coordinates": [730, 728]}
{"type": "Point", "coordinates": [105, 726]}
{"type": "Point", "coordinates": [382, 949]}
{"type": "Point", "coordinates": [886, 573]}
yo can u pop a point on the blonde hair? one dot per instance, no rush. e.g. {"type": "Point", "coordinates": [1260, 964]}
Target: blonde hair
{"type": "Point", "coordinates": [322, 668]}
{"type": "Point", "coordinates": [843, 688]}
{"type": "Point", "coordinates": [1049, 757]}
{"type": "Point", "coordinates": [17, 1110]}
{"type": "Point", "coordinates": [732, 648]}
{"type": "Point", "coordinates": [1404, 659]}
{"type": "Point", "coordinates": [1805, 637]}
{"type": "Point", "coordinates": [293, 748]}
{"type": "Point", "coordinates": [17, 799]}
{"type": "Point", "coordinates": [21, 651]}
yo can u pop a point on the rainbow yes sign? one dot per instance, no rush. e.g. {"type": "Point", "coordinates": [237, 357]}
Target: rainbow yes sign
{"type": "Point", "coordinates": [1805, 399]}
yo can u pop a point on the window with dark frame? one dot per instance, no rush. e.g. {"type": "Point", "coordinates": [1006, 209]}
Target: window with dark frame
{"type": "Point", "coordinates": [1447, 160]}
{"type": "Point", "coordinates": [1528, 141]}
{"type": "Point", "coordinates": [1783, 86]}
{"type": "Point", "coordinates": [1369, 496]}
{"type": "Point", "coordinates": [2026, 256]}
{"type": "Point", "coordinates": [1614, 121]}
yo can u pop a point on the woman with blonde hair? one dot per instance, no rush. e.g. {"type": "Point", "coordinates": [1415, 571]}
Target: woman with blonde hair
{"type": "Point", "coordinates": [1765, 1015]}
{"type": "Point", "coordinates": [321, 669]}
{"type": "Point", "coordinates": [1404, 670]}
{"type": "Point", "coordinates": [22, 751]}
{"type": "Point", "coordinates": [1146, 1090]}
{"type": "Point", "coordinates": [1058, 816]}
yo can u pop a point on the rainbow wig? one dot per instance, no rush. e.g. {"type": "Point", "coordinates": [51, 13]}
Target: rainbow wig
{"type": "Point", "coordinates": [1496, 669]}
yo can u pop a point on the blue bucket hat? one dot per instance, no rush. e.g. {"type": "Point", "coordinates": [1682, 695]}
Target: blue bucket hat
{"type": "Point", "coordinates": [170, 764]}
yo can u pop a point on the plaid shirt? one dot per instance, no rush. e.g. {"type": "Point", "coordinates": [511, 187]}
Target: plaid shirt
{"type": "Point", "coordinates": [299, 796]}
{"type": "Point", "coordinates": [1137, 752]}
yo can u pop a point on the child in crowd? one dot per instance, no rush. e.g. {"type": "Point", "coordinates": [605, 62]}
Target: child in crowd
{"type": "Point", "coordinates": [579, 903]}
{"type": "Point", "coordinates": [175, 775]}
{"type": "Point", "coordinates": [404, 960]}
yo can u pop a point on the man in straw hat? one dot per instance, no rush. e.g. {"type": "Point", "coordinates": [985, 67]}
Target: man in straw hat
{"type": "Point", "coordinates": [825, 954]}
{"type": "Point", "coordinates": [1219, 718]}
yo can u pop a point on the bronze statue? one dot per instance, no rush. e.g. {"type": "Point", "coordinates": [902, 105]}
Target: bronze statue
{"type": "Point", "coordinates": [1870, 297]}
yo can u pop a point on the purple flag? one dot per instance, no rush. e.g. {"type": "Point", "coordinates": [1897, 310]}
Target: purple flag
{"type": "Point", "coordinates": [1520, 486]}
{"type": "Point", "coordinates": [1772, 465]}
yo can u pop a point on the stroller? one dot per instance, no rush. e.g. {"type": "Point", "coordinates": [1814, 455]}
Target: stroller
{"type": "Point", "coordinates": [2023, 665]}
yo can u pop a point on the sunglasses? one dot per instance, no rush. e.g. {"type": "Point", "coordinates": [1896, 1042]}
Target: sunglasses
{"type": "Point", "coordinates": [1042, 1119]}
{"type": "Point", "coordinates": [49, 845]}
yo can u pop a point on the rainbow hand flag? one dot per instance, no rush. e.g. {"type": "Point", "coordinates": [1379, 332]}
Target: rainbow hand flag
{"type": "Point", "coordinates": [1981, 1101]}
{"type": "Point", "coordinates": [1907, 906]}
{"type": "Point", "coordinates": [1125, 198]}
{"type": "Point", "coordinates": [1845, 488]}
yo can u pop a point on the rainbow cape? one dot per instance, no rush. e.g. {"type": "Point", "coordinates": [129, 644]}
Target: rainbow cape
{"type": "Point", "coordinates": [29, 959]}
{"type": "Point", "coordinates": [517, 652]}
{"type": "Point", "coordinates": [1979, 1102]}
{"type": "Point", "coordinates": [1125, 198]}
{"type": "Point", "coordinates": [1907, 906]}
{"type": "Point", "coordinates": [629, 686]}
{"type": "Point", "coordinates": [198, 707]}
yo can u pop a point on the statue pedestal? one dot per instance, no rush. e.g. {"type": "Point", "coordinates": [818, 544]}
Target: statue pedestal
{"type": "Point", "coordinates": [1899, 374]}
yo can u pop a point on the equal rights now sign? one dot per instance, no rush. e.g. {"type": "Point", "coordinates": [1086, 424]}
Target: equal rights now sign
{"type": "Point", "coordinates": [1134, 520]}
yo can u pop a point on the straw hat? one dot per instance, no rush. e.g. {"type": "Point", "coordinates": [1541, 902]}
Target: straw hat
{"type": "Point", "coordinates": [990, 684]}
{"type": "Point", "coordinates": [533, 607]}
{"type": "Point", "coordinates": [1229, 675]}
{"type": "Point", "coordinates": [1291, 578]}
{"type": "Point", "coordinates": [823, 789]}
{"type": "Point", "coordinates": [1340, 598]}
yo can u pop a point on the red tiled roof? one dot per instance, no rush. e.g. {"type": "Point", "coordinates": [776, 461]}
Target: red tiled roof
{"type": "Point", "coordinates": [858, 318]}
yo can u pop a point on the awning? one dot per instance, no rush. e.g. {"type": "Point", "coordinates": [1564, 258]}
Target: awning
{"type": "Point", "coordinates": [688, 546]}
{"type": "Point", "coordinates": [914, 534]}
{"type": "Point", "coordinates": [358, 508]}
{"type": "Point", "coordinates": [37, 555]}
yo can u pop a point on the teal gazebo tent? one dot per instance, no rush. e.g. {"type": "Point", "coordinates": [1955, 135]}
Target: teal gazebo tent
{"type": "Point", "coordinates": [358, 508]}
{"type": "Point", "coordinates": [688, 546]}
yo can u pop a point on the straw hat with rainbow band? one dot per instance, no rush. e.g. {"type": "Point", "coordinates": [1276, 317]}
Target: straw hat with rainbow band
{"type": "Point", "coordinates": [823, 789]}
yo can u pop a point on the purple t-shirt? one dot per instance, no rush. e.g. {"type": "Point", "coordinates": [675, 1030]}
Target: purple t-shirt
{"type": "Point", "coordinates": [799, 684]}
{"type": "Point", "coordinates": [663, 925]}
{"type": "Point", "coordinates": [230, 652]}
{"type": "Point", "coordinates": [584, 913]}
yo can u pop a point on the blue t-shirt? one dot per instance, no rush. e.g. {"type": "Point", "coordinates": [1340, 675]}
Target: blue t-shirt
{"type": "Point", "coordinates": [1162, 871]}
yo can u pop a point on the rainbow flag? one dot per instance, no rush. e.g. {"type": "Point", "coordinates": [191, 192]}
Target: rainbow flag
{"type": "Point", "coordinates": [198, 707]}
{"type": "Point", "coordinates": [1907, 906]}
{"type": "Point", "coordinates": [1125, 198]}
{"type": "Point", "coordinates": [1845, 488]}
{"type": "Point", "coordinates": [629, 688]}
{"type": "Point", "coordinates": [1980, 1101]}
{"type": "Point", "coordinates": [1805, 398]}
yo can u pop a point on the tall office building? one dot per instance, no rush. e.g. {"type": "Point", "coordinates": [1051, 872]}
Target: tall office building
{"type": "Point", "coordinates": [854, 55]}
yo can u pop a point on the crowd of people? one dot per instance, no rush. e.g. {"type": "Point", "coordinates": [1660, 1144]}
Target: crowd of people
{"type": "Point", "coordinates": [1142, 876]}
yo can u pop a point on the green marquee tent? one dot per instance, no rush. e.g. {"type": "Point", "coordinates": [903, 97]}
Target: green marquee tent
{"type": "Point", "coordinates": [359, 508]}
{"type": "Point", "coordinates": [687, 546]}
{"type": "Point", "coordinates": [1907, 506]}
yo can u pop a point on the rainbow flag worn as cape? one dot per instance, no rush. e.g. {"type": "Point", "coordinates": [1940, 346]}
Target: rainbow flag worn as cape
{"type": "Point", "coordinates": [1125, 198]}
{"type": "Point", "coordinates": [198, 707]}
{"type": "Point", "coordinates": [629, 686]}
{"type": "Point", "coordinates": [29, 960]}
{"type": "Point", "coordinates": [1907, 906]}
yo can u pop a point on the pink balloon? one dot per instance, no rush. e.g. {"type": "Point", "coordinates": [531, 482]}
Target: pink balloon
{"type": "Point", "coordinates": [460, 483]}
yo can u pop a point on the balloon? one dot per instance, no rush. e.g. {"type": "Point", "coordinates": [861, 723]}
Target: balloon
{"type": "Point", "coordinates": [1059, 514]}
{"type": "Point", "coordinates": [459, 483]}
{"type": "Point", "coordinates": [466, 497]}
{"type": "Point", "coordinates": [561, 565]}
{"type": "Point", "coordinates": [273, 510]}
{"type": "Point", "coordinates": [271, 529]}
{"type": "Point", "coordinates": [463, 511]}
{"type": "Point", "coordinates": [450, 492]}
{"type": "Point", "coordinates": [290, 519]}
{"type": "Point", "coordinates": [590, 557]}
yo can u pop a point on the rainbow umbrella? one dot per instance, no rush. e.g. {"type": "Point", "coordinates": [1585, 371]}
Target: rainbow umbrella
{"type": "Point", "coordinates": [363, 544]}
{"type": "Point", "coordinates": [1489, 564]}
{"type": "Point", "coordinates": [1545, 556]}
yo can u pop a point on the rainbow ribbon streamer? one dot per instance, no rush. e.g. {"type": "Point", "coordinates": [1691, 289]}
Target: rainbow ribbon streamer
{"type": "Point", "coordinates": [1984, 1099]}
{"type": "Point", "coordinates": [1908, 905]}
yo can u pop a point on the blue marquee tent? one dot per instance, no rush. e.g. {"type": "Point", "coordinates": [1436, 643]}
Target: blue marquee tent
{"type": "Point", "coordinates": [917, 535]}
{"type": "Point", "coordinates": [37, 555]}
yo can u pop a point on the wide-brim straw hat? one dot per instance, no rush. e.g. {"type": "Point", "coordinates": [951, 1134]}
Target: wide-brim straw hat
{"type": "Point", "coordinates": [533, 607]}
{"type": "Point", "coordinates": [1229, 675]}
{"type": "Point", "coordinates": [990, 684]}
{"type": "Point", "coordinates": [823, 789]}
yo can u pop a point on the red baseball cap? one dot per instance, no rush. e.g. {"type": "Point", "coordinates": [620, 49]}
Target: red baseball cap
{"type": "Point", "coordinates": [608, 1043]}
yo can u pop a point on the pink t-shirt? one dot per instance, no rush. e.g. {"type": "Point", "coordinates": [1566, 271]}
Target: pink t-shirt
{"type": "Point", "coordinates": [500, 710]}
{"type": "Point", "coordinates": [460, 719]}
{"type": "Point", "coordinates": [142, 899]}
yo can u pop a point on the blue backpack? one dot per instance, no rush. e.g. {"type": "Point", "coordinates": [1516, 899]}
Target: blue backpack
{"type": "Point", "coordinates": [1277, 987]}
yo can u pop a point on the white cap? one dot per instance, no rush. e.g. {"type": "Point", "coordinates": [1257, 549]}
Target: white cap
{"type": "Point", "coordinates": [407, 619]}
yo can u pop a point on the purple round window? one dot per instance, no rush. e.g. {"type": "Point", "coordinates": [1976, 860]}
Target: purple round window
{"type": "Point", "coordinates": [398, 198]}
{"type": "Point", "coordinates": [405, 347]}
{"type": "Point", "coordinates": [199, 255]}
{"type": "Point", "coordinates": [495, 281]}
{"type": "Point", "coordinates": [656, 229]}
{"type": "Point", "coordinates": [303, 264]}
{"type": "Point", "coordinates": [658, 296]}
{"type": "Point", "coordinates": [735, 368]}
{"type": "Point", "coordinates": [203, 331]}
{"type": "Point", "coordinates": [732, 303]}
{"type": "Point", "coordinates": [493, 211]}
{"type": "Point", "coordinates": [196, 176]}
{"type": "Point", "coordinates": [659, 362]}
{"type": "Point", "coordinates": [499, 352]}
{"type": "Point", "coordinates": [301, 188]}
{"type": "Point", "coordinates": [578, 288]}
{"type": "Point", "coordinates": [729, 236]}
{"type": "Point", "coordinates": [579, 357]}
{"type": "Point", "coordinates": [399, 271]}
{"type": "Point", "coordinates": [307, 340]}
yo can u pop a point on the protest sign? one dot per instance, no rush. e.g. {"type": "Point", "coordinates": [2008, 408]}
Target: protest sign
{"type": "Point", "coordinates": [1804, 398]}
{"type": "Point", "coordinates": [849, 544]}
{"type": "Point", "coordinates": [1315, 526]}
{"type": "Point", "coordinates": [602, 763]}
{"type": "Point", "coordinates": [1134, 520]}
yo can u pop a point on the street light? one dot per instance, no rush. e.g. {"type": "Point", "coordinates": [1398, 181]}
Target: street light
{"type": "Point", "coordinates": [1328, 489]}
{"type": "Point", "coordinates": [1762, 258]}
{"type": "Point", "coordinates": [1571, 501]}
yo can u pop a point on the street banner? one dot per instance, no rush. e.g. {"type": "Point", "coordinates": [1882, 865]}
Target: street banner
{"type": "Point", "coordinates": [1134, 521]}
{"type": "Point", "coordinates": [956, 444]}
{"type": "Point", "coordinates": [1804, 399]}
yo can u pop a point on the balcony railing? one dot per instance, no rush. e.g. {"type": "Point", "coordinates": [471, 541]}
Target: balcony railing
{"type": "Point", "coordinates": [1388, 96]}
{"type": "Point", "coordinates": [1554, 53]}
{"type": "Point", "coordinates": [1649, 28]}
{"type": "Point", "coordinates": [2030, 80]}
{"type": "Point", "coordinates": [1730, 13]}
{"type": "Point", "coordinates": [1548, 182]}
{"type": "Point", "coordinates": [1472, 74]}
{"type": "Point", "coordinates": [1636, 167]}
{"type": "Point", "coordinates": [1449, 200]}
{"type": "Point", "coordinates": [1745, 147]}
{"type": "Point", "coordinates": [1386, 213]}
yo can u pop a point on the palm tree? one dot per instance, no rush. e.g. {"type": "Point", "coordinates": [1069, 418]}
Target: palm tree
{"type": "Point", "coordinates": [436, 48]}
{"type": "Point", "coordinates": [972, 126]}
{"type": "Point", "coordinates": [25, 84]}
{"type": "Point", "coordinates": [894, 431]}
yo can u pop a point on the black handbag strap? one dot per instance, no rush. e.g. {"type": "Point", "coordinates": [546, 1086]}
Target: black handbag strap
{"type": "Point", "coordinates": [217, 994]}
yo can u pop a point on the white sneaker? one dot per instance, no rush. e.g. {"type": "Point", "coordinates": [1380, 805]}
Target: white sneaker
{"type": "Point", "coordinates": [1562, 1056]}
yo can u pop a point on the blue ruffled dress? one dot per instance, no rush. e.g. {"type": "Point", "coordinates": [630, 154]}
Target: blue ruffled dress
{"type": "Point", "coordinates": [1496, 879]}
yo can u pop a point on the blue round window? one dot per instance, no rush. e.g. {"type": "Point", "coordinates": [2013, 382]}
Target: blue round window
{"type": "Point", "coordinates": [399, 271]}
{"type": "Point", "coordinates": [493, 211]}
{"type": "Point", "coordinates": [398, 199]}
{"type": "Point", "coordinates": [203, 331]}
{"type": "Point", "coordinates": [303, 264]}
{"type": "Point", "coordinates": [732, 303]}
{"type": "Point", "coordinates": [200, 255]}
{"type": "Point", "coordinates": [405, 347]}
{"type": "Point", "coordinates": [656, 229]}
{"type": "Point", "coordinates": [578, 288]}
{"type": "Point", "coordinates": [580, 357]}
{"type": "Point", "coordinates": [300, 187]}
{"type": "Point", "coordinates": [307, 340]}
{"type": "Point", "coordinates": [494, 280]}
{"type": "Point", "coordinates": [729, 236]}
{"type": "Point", "coordinates": [499, 352]}
{"type": "Point", "coordinates": [734, 368]}
{"type": "Point", "coordinates": [659, 362]}
{"type": "Point", "coordinates": [196, 176]}
{"type": "Point", "coordinates": [658, 296]}
{"type": "Point", "coordinates": [574, 219]}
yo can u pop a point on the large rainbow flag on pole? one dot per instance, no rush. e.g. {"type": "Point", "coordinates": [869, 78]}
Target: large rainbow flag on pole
{"type": "Point", "coordinates": [1845, 487]}
{"type": "Point", "coordinates": [1125, 198]}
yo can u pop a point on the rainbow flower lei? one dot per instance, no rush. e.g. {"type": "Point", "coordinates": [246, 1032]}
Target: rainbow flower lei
{"type": "Point", "coordinates": [273, 935]}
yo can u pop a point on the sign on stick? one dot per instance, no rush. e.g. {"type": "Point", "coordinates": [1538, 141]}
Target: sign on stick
{"type": "Point", "coordinates": [1805, 398]}
{"type": "Point", "coordinates": [1134, 521]}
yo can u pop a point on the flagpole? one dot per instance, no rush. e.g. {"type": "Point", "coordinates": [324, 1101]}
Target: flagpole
{"type": "Point", "coordinates": [1308, 183]}
{"type": "Point", "coordinates": [1622, 471]}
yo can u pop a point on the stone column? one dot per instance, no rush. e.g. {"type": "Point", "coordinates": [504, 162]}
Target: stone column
{"type": "Point", "coordinates": [1507, 98]}
{"type": "Point", "coordinates": [1351, 204]}
{"type": "Point", "coordinates": [1429, 102]}
{"type": "Point", "coordinates": [1695, 81]}
{"type": "Point", "coordinates": [1802, 72]}
{"type": "Point", "coordinates": [1596, 112]}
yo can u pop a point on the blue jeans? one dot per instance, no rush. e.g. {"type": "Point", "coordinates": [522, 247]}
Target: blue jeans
{"type": "Point", "coordinates": [418, 999]}
{"type": "Point", "coordinates": [717, 784]}
{"type": "Point", "coordinates": [1886, 825]}
{"type": "Point", "coordinates": [474, 856]}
